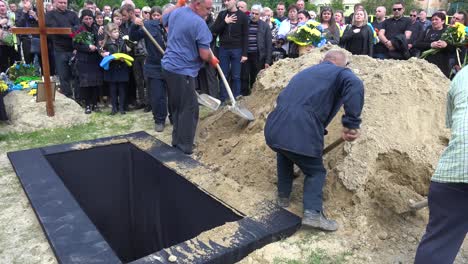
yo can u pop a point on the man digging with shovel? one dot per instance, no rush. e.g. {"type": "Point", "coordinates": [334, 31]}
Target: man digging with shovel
{"type": "Point", "coordinates": [188, 40]}
{"type": "Point", "coordinates": [295, 129]}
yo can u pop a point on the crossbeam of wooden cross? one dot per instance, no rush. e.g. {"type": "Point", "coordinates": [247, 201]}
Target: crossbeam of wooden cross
{"type": "Point", "coordinates": [43, 31]}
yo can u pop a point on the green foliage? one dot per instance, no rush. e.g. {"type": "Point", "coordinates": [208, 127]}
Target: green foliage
{"type": "Point", "coordinates": [337, 5]}
{"type": "Point", "coordinates": [78, 4]}
{"type": "Point", "coordinates": [317, 256]}
{"type": "Point", "coordinates": [371, 5]}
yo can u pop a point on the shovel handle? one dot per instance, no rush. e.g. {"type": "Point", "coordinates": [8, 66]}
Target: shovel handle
{"type": "Point", "coordinates": [226, 84]}
{"type": "Point", "coordinates": [333, 145]}
{"type": "Point", "coordinates": [418, 205]}
{"type": "Point", "coordinates": [152, 39]}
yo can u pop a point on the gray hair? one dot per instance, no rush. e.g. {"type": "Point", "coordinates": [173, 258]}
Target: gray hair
{"type": "Point", "coordinates": [257, 7]}
{"type": "Point", "coordinates": [167, 6]}
{"type": "Point", "coordinates": [337, 57]}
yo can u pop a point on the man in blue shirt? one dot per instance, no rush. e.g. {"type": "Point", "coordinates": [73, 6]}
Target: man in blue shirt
{"type": "Point", "coordinates": [188, 45]}
{"type": "Point", "coordinates": [296, 127]}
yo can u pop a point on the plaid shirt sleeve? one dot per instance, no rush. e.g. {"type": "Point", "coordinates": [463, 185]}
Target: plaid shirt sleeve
{"type": "Point", "coordinates": [453, 164]}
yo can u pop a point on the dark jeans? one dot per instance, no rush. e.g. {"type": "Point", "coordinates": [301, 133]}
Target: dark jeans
{"type": "Point", "coordinates": [448, 223]}
{"type": "Point", "coordinates": [118, 91]}
{"type": "Point", "coordinates": [208, 82]}
{"type": "Point", "coordinates": [249, 73]}
{"type": "Point", "coordinates": [7, 57]}
{"type": "Point", "coordinates": [183, 105]}
{"type": "Point", "coordinates": [90, 95]}
{"type": "Point", "coordinates": [314, 177]}
{"type": "Point", "coordinates": [64, 71]}
{"type": "Point", "coordinates": [141, 93]}
{"type": "Point", "coordinates": [158, 95]}
{"type": "Point", "coordinates": [229, 61]}
{"type": "Point", "coordinates": [26, 47]}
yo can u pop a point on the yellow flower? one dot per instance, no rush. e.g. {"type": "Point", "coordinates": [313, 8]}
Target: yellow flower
{"type": "Point", "coordinates": [315, 32]}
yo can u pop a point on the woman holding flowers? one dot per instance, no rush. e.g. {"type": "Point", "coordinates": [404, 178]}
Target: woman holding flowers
{"type": "Point", "coordinates": [287, 27]}
{"type": "Point", "coordinates": [358, 37]}
{"type": "Point", "coordinates": [331, 32]}
{"type": "Point", "coordinates": [85, 42]}
{"type": "Point", "coordinates": [433, 48]}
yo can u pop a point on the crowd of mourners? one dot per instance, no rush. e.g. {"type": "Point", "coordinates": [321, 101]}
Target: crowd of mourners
{"type": "Point", "coordinates": [246, 40]}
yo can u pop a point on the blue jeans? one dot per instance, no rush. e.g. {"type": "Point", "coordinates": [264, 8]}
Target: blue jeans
{"type": "Point", "coordinates": [314, 180]}
{"type": "Point", "coordinates": [158, 97]}
{"type": "Point", "coordinates": [448, 223]}
{"type": "Point", "coordinates": [229, 61]}
{"type": "Point", "coordinates": [64, 72]}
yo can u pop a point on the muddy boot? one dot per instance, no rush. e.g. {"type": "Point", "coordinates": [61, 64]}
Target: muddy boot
{"type": "Point", "coordinates": [282, 201]}
{"type": "Point", "coordinates": [318, 220]}
{"type": "Point", "coordinates": [88, 110]}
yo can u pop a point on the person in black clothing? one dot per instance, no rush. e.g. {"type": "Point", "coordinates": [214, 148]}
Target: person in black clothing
{"type": "Point", "coordinates": [63, 47]}
{"type": "Point", "coordinates": [379, 48]}
{"type": "Point", "coordinates": [28, 18]}
{"type": "Point", "coordinates": [259, 50]}
{"type": "Point", "coordinates": [232, 26]}
{"type": "Point", "coordinates": [208, 82]}
{"type": "Point", "coordinates": [395, 33]}
{"type": "Point", "coordinates": [117, 75]}
{"type": "Point", "coordinates": [431, 39]}
{"type": "Point", "coordinates": [416, 31]}
{"type": "Point", "coordinates": [358, 38]}
{"type": "Point", "coordinates": [152, 68]}
{"type": "Point", "coordinates": [87, 63]}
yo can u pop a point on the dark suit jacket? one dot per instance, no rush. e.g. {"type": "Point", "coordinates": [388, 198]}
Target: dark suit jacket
{"type": "Point", "coordinates": [308, 104]}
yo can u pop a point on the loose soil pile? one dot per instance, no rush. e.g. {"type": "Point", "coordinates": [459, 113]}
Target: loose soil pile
{"type": "Point", "coordinates": [26, 115]}
{"type": "Point", "coordinates": [370, 181]}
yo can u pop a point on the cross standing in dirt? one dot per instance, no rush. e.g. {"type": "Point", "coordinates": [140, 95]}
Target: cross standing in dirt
{"type": "Point", "coordinates": [305, 107]}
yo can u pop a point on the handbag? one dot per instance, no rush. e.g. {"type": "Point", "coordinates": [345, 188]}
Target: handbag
{"type": "Point", "coordinates": [35, 45]}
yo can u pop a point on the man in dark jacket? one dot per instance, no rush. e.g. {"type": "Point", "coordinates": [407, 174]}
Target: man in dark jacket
{"type": "Point", "coordinates": [232, 26]}
{"type": "Point", "coordinates": [296, 127]}
{"type": "Point", "coordinates": [152, 68]}
{"type": "Point", "coordinates": [258, 50]}
{"type": "Point", "coordinates": [62, 17]}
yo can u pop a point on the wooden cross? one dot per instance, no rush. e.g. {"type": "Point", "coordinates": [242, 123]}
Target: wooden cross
{"type": "Point", "coordinates": [43, 31]}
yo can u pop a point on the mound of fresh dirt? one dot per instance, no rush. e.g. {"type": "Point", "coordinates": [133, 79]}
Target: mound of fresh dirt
{"type": "Point", "coordinates": [370, 181]}
{"type": "Point", "coordinates": [26, 115]}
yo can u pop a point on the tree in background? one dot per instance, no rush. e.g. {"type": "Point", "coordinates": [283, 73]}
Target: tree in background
{"type": "Point", "coordinates": [337, 5]}
{"type": "Point", "coordinates": [371, 5]}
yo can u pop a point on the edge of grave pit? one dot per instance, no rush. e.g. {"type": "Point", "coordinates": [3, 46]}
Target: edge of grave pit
{"type": "Point", "coordinates": [53, 203]}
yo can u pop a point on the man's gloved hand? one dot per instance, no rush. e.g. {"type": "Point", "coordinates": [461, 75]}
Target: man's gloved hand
{"type": "Point", "coordinates": [214, 61]}
{"type": "Point", "coordinates": [180, 3]}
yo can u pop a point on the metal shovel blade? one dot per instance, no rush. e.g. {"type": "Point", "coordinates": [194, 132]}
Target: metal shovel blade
{"type": "Point", "coordinates": [242, 112]}
{"type": "Point", "coordinates": [208, 101]}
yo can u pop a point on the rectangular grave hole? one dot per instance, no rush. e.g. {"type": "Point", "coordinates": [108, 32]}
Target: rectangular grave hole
{"type": "Point", "coordinates": [137, 204]}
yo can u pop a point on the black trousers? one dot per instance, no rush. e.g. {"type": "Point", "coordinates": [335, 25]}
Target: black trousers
{"type": "Point", "coordinates": [7, 57]}
{"type": "Point", "coordinates": [89, 94]}
{"type": "Point", "coordinates": [249, 73]}
{"type": "Point", "coordinates": [448, 223]}
{"type": "Point", "coordinates": [184, 108]}
{"type": "Point", "coordinates": [118, 91]}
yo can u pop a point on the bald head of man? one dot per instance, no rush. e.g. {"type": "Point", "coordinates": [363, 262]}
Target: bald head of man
{"type": "Point", "coordinates": [337, 57]}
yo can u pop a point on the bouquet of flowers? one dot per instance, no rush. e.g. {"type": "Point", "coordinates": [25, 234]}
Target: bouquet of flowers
{"type": "Point", "coordinates": [21, 69]}
{"type": "Point", "coordinates": [8, 39]}
{"type": "Point", "coordinates": [455, 35]}
{"type": "Point", "coordinates": [82, 36]}
{"type": "Point", "coordinates": [308, 34]}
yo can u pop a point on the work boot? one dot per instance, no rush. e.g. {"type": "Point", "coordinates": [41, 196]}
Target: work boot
{"type": "Point", "coordinates": [282, 201]}
{"type": "Point", "coordinates": [159, 127]}
{"type": "Point", "coordinates": [318, 220]}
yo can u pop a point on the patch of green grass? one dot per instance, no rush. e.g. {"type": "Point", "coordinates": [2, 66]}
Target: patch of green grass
{"type": "Point", "coordinates": [101, 125]}
{"type": "Point", "coordinates": [317, 256]}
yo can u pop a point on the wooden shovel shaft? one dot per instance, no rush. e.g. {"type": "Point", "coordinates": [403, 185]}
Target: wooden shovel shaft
{"type": "Point", "coordinates": [418, 205]}
{"type": "Point", "coordinates": [226, 83]}
{"type": "Point", "coordinates": [152, 39]}
{"type": "Point", "coordinates": [333, 145]}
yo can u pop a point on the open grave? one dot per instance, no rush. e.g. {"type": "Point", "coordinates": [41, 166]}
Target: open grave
{"type": "Point", "coordinates": [134, 199]}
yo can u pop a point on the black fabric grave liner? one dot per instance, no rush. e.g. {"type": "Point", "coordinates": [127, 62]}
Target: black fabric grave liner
{"type": "Point", "coordinates": [116, 203]}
